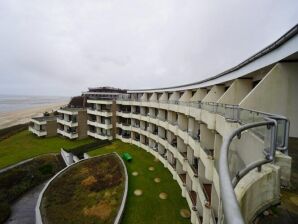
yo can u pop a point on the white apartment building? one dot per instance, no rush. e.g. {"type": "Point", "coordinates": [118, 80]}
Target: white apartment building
{"type": "Point", "coordinates": [245, 111]}
{"type": "Point", "coordinates": [224, 139]}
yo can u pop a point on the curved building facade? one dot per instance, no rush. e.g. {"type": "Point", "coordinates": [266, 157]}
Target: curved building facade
{"type": "Point", "coordinates": [184, 127]}
{"type": "Point", "coordinates": [187, 127]}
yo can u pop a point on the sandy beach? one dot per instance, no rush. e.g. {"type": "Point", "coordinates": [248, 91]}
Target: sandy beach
{"type": "Point", "coordinates": [8, 119]}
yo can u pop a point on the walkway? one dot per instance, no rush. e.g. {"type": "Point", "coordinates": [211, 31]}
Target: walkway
{"type": "Point", "coordinates": [23, 211]}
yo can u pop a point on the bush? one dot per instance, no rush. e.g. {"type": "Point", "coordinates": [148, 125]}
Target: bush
{"type": "Point", "coordinates": [46, 169]}
{"type": "Point", "coordinates": [7, 132]}
{"type": "Point", "coordinates": [80, 150]}
{"type": "Point", "coordinates": [17, 181]}
{"type": "Point", "coordinates": [4, 212]}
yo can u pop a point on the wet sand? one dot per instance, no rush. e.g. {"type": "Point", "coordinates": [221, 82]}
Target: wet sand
{"type": "Point", "coordinates": [8, 119]}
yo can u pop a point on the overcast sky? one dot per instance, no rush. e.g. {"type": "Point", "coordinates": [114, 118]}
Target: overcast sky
{"type": "Point", "coordinates": [61, 47]}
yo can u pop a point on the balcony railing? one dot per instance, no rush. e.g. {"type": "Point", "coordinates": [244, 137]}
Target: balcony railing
{"type": "Point", "coordinates": [231, 112]}
{"type": "Point", "coordinates": [229, 179]}
{"type": "Point", "coordinates": [193, 198]}
{"type": "Point", "coordinates": [183, 178]}
{"type": "Point", "coordinates": [194, 169]}
{"type": "Point", "coordinates": [207, 188]}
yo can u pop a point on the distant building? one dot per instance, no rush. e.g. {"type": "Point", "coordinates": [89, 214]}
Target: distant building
{"type": "Point", "coordinates": [72, 119]}
{"type": "Point", "coordinates": [102, 111]}
{"type": "Point", "coordinates": [45, 126]}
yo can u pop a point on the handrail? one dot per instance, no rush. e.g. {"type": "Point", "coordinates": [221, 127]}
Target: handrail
{"type": "Point", "coordinates": [213, 107]}
{"type": "Point", "coordinates": [231, 209]}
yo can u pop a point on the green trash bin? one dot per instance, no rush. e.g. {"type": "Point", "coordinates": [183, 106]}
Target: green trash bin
{"type": "Point", "coordinates": [127, 156]}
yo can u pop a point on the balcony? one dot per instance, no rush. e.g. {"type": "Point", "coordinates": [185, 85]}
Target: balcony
{"type": "Point", "coordinates": [101, 136]}
{"type": "Point", "coordinates": [207, 188]}
{"type": "Point", "coordinates": [183, 178]}
{"type": "Point", "coordinates": [184, 155]}
{"type": "Point", "coordinates": [38, 122]}
{"type": "Point", "coordinates": [99, 125]}
{"type": "Point", "coordinates": [69, 123]}
{"type": "Point", "coordinates": [70, 135]}
{"type": "Point", "coordinates": [136, 112]}
{"type": "Point", "coordinates": [99, 112]}
{"type": "Point", "coordinates": [39, 133]}
{"type": "Point", "coordinates": [173, 164]}
{"type": "Point", "coordinates": [99, 101]}
{"type": "Point", "coordinates": [123, 114]}
{"type": "Point", "coordinates": [209, 152]}
{"type": "Point", "coordinates": [193, 198]}
{"type": "Point", "coordinates": [194, 168]}
{"type": "Point", "coordinates": [194, 136]}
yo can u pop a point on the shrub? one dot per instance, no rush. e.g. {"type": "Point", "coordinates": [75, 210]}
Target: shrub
{"type": "Point", "coordinates": [46, 169]}
{"type": "Point", "coordinates": [18, 180]}
{"type": "Point", "coordinates": [7, 132]}
{"type": "Point", "coordinates": [4, 212]}
{"type": "Point", "coordinates": [80, 150]}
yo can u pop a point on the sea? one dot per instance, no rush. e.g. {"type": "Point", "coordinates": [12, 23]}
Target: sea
{"type": "Point", "coordinates": [10, 103]}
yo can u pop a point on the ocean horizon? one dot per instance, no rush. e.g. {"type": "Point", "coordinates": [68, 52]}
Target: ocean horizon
{"type": "Point", "coordinates": [10, 103]}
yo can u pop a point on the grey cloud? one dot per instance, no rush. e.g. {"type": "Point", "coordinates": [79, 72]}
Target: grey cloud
{"type": "Point", "coordinates": [62, 47]}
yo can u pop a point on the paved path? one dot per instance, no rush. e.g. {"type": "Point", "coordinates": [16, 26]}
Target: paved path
{"type": "Point", "coordinates": [23, 211]}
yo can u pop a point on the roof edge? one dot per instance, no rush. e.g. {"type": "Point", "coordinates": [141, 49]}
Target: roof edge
{"type": "Point", "coordinates": [271, 47]}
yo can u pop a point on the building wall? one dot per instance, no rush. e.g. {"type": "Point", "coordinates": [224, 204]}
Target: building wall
{"type": "Point", "coordinates": [277, 93]}
{"type": "Point", "coordinates": [51, 128]}
{"type": "Point", "coordinates": [82, 122]}
{"type": "Point", "coordinates": [114, 118]}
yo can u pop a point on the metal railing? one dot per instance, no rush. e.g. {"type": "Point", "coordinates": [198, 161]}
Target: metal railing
{"type": "Point", "coordinates": [233, 113]}
{"type": "Point", "coordinates": [231, 210]}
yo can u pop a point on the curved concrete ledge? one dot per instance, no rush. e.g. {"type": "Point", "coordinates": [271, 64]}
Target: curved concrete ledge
{"type": "Point", "coordinates": [38, 217]}
{"type": "Point", "coordinates": [256, 192]}
{"type": "Point", "coordinates": [124, 197]}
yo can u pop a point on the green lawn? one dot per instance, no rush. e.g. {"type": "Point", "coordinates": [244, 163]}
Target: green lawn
{"type": "Point", "coordinates": [25, 145]}
{"type": "Point", "coordinates": [148, 208]}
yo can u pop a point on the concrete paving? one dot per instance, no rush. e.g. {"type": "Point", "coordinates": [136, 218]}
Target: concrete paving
{"type": "Point", "coordinates": [23, 210]}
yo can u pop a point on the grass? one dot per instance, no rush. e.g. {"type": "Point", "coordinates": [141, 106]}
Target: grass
{"type": "Point", "coordinates": [18, 180]}
{"type": "Point", "coordinates": [148, 208]}
{"type": "Point", "coordinates": [89, 192]}
{"type": "Point", "coordinates": [25, 145]}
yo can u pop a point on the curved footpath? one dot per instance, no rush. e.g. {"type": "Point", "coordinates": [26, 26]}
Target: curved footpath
{"type": "Point", "coordinates": [23, 210]}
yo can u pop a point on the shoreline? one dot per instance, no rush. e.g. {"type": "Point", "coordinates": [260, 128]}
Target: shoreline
{"type": "Point", "coordinates": [8, 119]}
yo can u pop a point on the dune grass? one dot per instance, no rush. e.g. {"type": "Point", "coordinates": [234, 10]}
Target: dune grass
{"type": "Point", "coordinates": [89, 192]}
{"type": "Point", "coordinates": [25, 145]}
{"type": "Point", "coordinates": [148, 208]}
